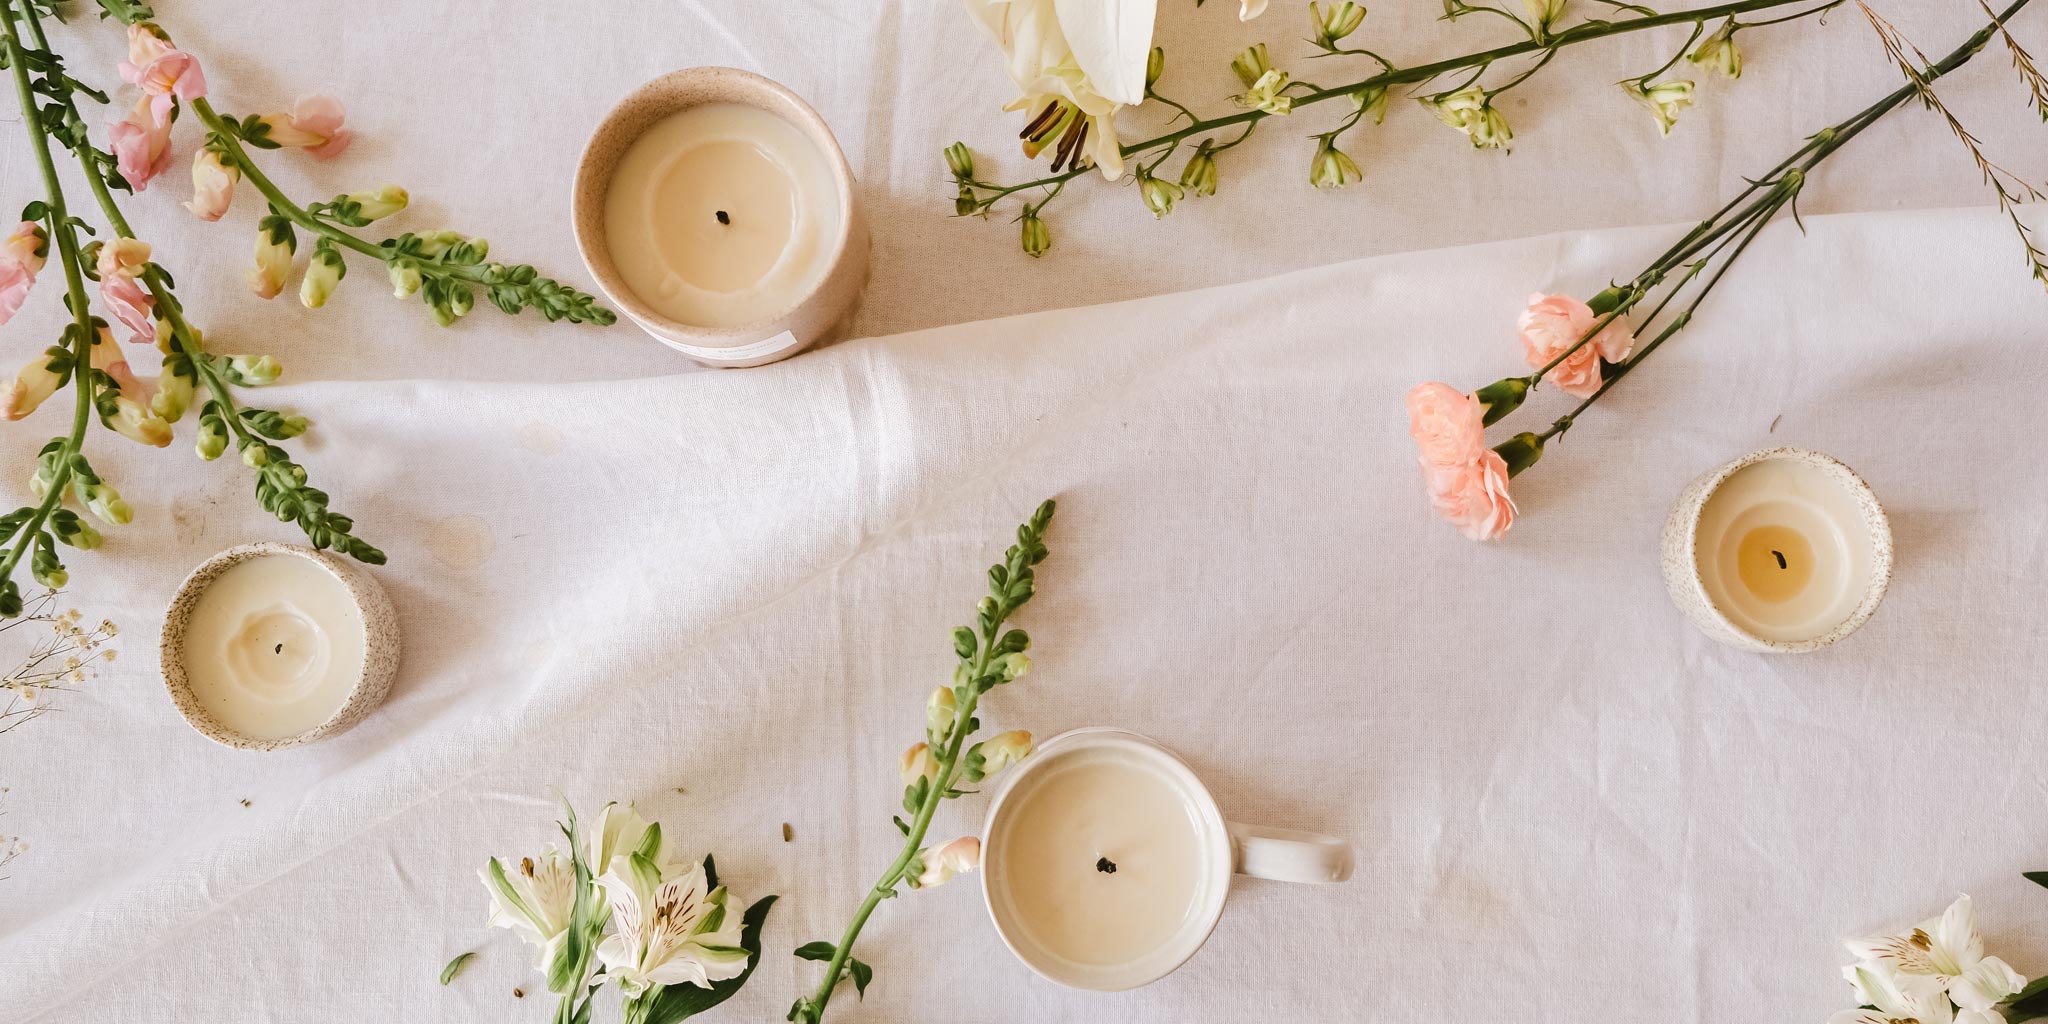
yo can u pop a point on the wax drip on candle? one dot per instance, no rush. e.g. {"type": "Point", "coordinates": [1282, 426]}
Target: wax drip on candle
{"type": "Point", "coordinates": [724, 217]}
{"type": "Point", "coordinates": [1105, 865]}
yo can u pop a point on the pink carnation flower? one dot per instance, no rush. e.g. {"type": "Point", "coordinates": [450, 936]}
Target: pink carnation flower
{"type": "Point", "coordinates": [1448, 424]}
{"type": "Point", "coordinates": [1553, 324]}
{"type": "Point", "coordinates": [163, 71]}
{"type": "Point", "coordinates": [314, 125]}
{"type": "Point", "coordinates": [1473, 495]}
{"type": "Point", "coordinates": [142, 146]}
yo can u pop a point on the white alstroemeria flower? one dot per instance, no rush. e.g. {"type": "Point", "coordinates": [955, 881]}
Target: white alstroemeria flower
{"type": "Point", "coordinates": [1896, 997]}
{"type": "Point", "coordinates": [620, 831]}
{"type": "Point", "coordinates": [670, 931]}
{"type": "Point", "coordinates": [1948, 949]}
{"type": "Point", "coordinates": [1075, 62]}
{"type": "Point", "coordinates": [534, 898]}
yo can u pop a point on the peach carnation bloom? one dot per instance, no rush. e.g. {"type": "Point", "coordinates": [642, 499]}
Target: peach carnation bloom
{"type": "Point", "coordinates": [142, 147]}
{"type": "Point", "coordinates": [1447, 424]}
{"type": "Point", "coordinates": [1553, 324]}
{"type": "Point", "coordinates": [1472, 495]}
{"type": "Point", "coordinates": [313, 125]}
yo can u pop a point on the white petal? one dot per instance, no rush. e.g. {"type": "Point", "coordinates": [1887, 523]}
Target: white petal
{"type": "Point", "coordinates": [1957, 946]}
{"type": "Point", "coordinates": [1985, 984]}
{"type": "Point", "coordinates": [679, 970]}
{"type": "Point", "coordinates": [1980, 1017]}
{"type": "Point", "coordinates": [1111, 40]}
{"type": "Point", "coordinates": [1859, 1017]}
{"type": "Point", "coordinates": [1249, 9]}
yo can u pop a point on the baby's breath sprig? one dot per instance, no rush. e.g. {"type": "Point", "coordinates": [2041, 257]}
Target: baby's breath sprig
{"type": "Point", "coordinates": [1467, 106]}
{"type": "Point", "coordinates": [59, 660]}
{"type": "Point", "coordinates": [989, 656]}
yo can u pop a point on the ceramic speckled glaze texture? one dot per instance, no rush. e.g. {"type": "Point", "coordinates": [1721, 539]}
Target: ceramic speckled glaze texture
{"type": "Point", "coordinates": [1681, 555]}
{"type": "Point", "coordinates": [380, 645]}
{"type": "Point", "coordinates": [816, 318]}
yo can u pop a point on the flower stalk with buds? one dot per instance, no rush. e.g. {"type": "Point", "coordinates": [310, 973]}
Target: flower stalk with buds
{"type": "Point", "coordinates": [1467, 105]}
{"type": "Point", "coordinates": [1586, 348]}
{"type": "Point", "coordinates": [989, 656]}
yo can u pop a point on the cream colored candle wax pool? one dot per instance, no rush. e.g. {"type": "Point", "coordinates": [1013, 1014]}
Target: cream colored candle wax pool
{"type": "Point", "coordinates": [1783, 550]}
{"type": "Point", "coordinates": [274, 646]}
{"type": "Point", "coordinates": [723, 215]}
{"type": "Point", "coordinates": [1102, 859]}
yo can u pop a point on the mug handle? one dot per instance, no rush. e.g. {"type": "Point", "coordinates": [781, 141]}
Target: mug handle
{"type": "Point", "coordinates": [1287, 855]}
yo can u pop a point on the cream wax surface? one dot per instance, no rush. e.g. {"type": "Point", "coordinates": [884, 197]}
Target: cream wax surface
{"type": "Point", "coordinates": [1783, 550]}
{"type": "Point", "coordinates": [723, 215]}
{"type": "Point", "coordinates": [274, 647]}
{"type": "Point", "coordinates": [1101, 862]}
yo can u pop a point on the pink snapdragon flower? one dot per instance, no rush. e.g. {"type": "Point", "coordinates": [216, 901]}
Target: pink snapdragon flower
{"type": "Point", "coordinates": [141, 145]}
{"type": "Point", "coordinates": [314, 125]}
{"type": "Point", "coordinates": [121, 262]}
{"type": "Point", "coordinates": [164, 72]}
{"type": "Point", "coordinates": [1467, 481]}
{"type": "Point", "coordinates": [22, 254]}
{"type": "Point", "coordinates": [1553, 324]}
{"type": "Point", "coordinates": [213, 185]}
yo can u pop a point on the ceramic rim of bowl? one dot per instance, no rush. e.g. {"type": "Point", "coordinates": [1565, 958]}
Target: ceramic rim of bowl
{"type": "Point", "coordinates": [1874, 522]}
{"type": "Point", "coordinates": [1222, 851]}
{"type": "Point", "coordinates": [380, 645]}
{"type": "Point", "coordinates": [645, 107]}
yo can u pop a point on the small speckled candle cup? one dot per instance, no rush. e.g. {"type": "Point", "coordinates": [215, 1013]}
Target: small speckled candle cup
{"type": "Point", "coordinates": [380, 645]}
{"type": "Point", "coordinates": [1781, 551]}
{"type": "Point", "coordinates": [811, 317]}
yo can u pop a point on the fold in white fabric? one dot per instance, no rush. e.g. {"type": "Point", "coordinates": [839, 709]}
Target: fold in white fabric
{"type": "Point", "coordinates": [725, 595]}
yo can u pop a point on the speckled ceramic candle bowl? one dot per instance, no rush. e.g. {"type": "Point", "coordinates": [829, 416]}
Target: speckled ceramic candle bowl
{"type": "Point", "coordinates": [816, 317]}
{"type": "Point", "coordinates": [1690, 591]}
{"type": "Point", "coordinates": [380, 645]}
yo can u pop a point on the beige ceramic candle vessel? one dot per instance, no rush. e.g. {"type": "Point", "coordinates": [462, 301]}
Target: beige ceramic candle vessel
{"type": "Point", "coordinates": [380, 645]}
{"type": "Point", "coordinates": [816, 315]}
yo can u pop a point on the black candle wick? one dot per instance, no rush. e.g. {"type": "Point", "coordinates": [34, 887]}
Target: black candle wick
{"type": "Point", "coordinates": [279, 649]}
{"type": "Point", "coordinates": [724, 217]}
{"type": "Point", "coordinates": [1781, 557]}
{"type": "Point", "coordinates": [1105, 865]}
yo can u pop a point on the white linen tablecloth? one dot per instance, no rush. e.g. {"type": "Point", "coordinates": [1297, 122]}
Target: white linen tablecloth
{"type": "Point", "coordinates": [724, 596]}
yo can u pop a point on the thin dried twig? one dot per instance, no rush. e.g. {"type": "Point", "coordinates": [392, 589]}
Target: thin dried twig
{"type": "Point", "coordinates": [2022, 62]}
{"type": "Point", "coordinates": [2010, 188]}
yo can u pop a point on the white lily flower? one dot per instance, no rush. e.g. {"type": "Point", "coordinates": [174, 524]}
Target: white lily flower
{"type": "Point", "coordinates": [1075, 63]}
{"type": "Point", "coordinates": [534, 898]}
{"type": "Point", "coordinates": [670, 931]}
{"type": "Point", "coordinates": [1948, 949]}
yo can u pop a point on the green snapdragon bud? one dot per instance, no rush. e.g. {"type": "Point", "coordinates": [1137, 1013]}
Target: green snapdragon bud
{"type": "Point", "coordinates": [255, 455]}
{"type": "Point", "coordinates": [381, 203]}
{"type": "Point", "coordinates": [1155, 65]}
{"type": "Point", "coordinates": [106, 503]}
{"type": "Point", "coordinates": [323, 273]}
{"type": "Point", "coordinates": [213, 437]}
{"type": "Point", "coordinates": [251, 371]}
{"type": "Point", "coordinates": [966, 204]}
{"type": "Point", "coordinates": [405, 277]}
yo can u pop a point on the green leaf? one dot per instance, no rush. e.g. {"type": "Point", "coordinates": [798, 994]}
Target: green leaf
{"type": "Point", "coordinates": [455, 966]}
{"type": "Point", "coordinates": [862, 974]}
{"type": "Point", "coordinates": [676, 1002]}
{"type": "Point", "coordinates": [820, 950]}
{"type": "Point", "coordinates": [710, 873]}
{"type": "Point", "coordinates": [2039, 878]}
{"type": "Point", "coordinates": [2031, 1002]}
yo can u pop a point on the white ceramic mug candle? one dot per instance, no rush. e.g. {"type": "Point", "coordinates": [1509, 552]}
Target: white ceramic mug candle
{"type": "Point", "coordinates": [1782, 550]}
{"type": "Point", "coordinates": [715, 208]}
{"type": "Point", "coordinates": [1105, 861]}
{"type": "Point", "coordinates": [272, 645]}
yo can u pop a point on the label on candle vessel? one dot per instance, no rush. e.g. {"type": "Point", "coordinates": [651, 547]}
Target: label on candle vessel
{"type": "Point", "coordinates": [1099, 861]}
{"type": "Point", "coordinates": [274, 646]}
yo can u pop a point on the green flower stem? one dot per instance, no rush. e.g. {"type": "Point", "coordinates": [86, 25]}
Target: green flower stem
{"type": "Point", "coordinates": [1548, 45]}
{"type": "Point", "coordinates": [1011, 586]}
{"type": "Point", "coordinates": [62, 233]}
{"type": "Point", "coordinates": [1783, 183]}
{"type": "Point", "coordinates": [231, 143]}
